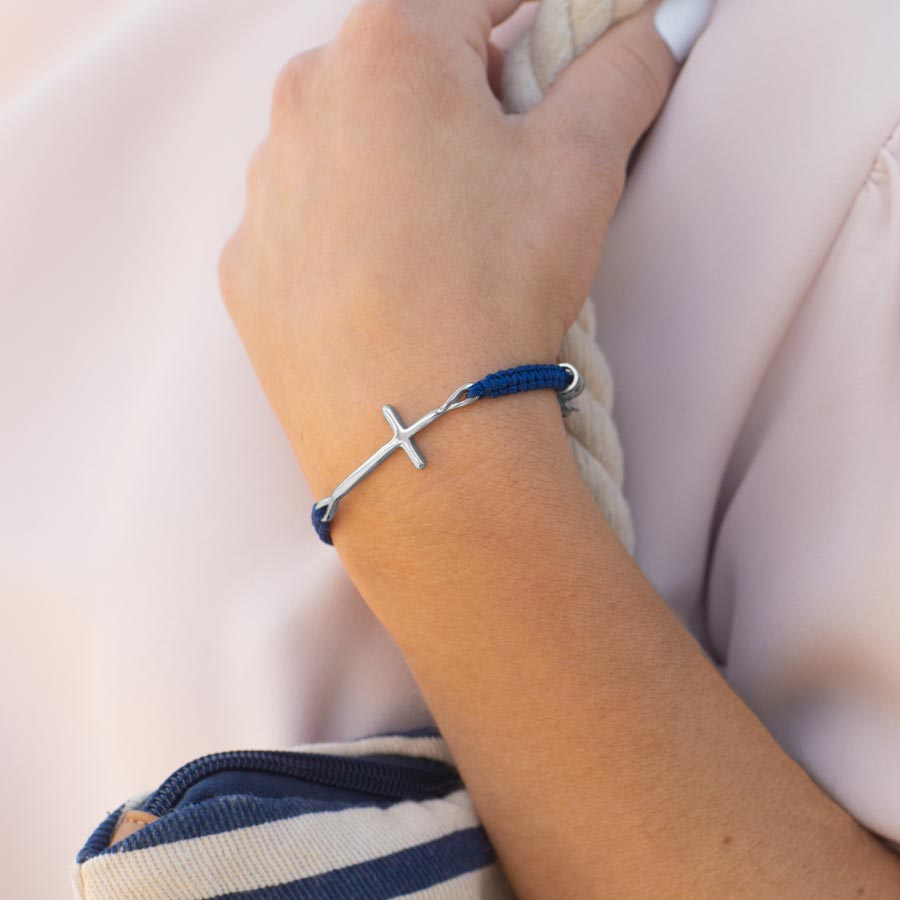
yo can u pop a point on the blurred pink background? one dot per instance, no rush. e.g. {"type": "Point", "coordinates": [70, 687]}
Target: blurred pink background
{"type": "Point", "coordinates": [163, 594]}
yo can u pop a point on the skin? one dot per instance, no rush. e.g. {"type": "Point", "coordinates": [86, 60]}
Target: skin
{"type": "Point", "coordinates": [401, 236]}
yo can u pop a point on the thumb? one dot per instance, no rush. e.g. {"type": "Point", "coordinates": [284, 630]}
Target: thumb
{"type": "Point", "coordinates": [610, 95]}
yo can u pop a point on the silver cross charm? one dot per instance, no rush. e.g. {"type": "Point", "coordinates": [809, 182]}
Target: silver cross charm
{"type": "Point", "coordinates": [404, 434]}
{"type": "Point", "coordinates": [403, 438]}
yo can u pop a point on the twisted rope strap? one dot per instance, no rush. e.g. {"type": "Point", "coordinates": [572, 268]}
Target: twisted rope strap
{"type": "Point", "coordinates": [562, 30]}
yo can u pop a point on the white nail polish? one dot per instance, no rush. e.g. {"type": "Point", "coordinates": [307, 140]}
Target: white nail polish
{"type": "Point", "coordinates": [681, 22]}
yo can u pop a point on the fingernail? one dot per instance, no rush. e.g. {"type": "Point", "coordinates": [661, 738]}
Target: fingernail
{"type": "Point", "coordinates": [680, 23]}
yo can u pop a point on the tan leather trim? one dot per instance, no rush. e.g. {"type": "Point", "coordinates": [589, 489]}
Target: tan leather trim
{"type": "Point", "coordinates": [130, 822]}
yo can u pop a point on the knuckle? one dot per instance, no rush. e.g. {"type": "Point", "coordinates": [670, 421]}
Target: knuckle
{"type": "Point", "coordinates": [596, 162]}
{"type": "Point", "coordinates": [374, 20]}
{"type": "Point", "coordinates": [586, 143]}
{"type": "Point", "coordinates": [228, 269]}
{"type": "Point", "coordinates": [290, 84]}
{"type": "Point", "coordinates": [594, 179]}
{"type": "Point", "coordinates": [579, 143]}
{"type": "Point", "coordinates": [384, 26]}
{"type": "Point", "coordinates": [285, 90]}
{"type": "Point", "coordinates": [396, 49]}
{"type": "Point", "coordinates": [583, 181]}
{"type": "Point", "coordinates": [255, 170]}
{"type": "Point", "coordinates": [639, 70]}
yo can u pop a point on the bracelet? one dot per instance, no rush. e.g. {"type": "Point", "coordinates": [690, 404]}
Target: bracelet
{"type": "Point", "coordinates": [564, 379]}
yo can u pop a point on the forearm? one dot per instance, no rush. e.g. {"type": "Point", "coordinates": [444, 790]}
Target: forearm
{"type": "Point", "coordinates": [400, 230]}
{"type": "Point", "coordinates": [601, 747]}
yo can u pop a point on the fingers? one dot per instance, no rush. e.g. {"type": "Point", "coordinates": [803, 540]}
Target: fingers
{"type": "Point", "coordinates": [508, 34]}
{"type": "Point", "coordinates": [608, 97]}
{"type": "Point", "coordinates": [476, 19]}
{"type": "Point", "coordinates": [493, 12]}
{"type": "Point", "coordinates": [446, 25]}
{"type": "Point", "coordinates": [487, 14]}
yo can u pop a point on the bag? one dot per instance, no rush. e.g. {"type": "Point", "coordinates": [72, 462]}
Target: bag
{"type": "Point", "coordinates": [381, 817]}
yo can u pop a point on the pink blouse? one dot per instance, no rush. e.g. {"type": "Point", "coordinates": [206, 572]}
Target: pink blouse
{"type": "Point", "coordinates": [163, 593]}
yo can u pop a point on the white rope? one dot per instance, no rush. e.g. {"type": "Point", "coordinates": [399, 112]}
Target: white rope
{"type": "Point", "coordinates": [562, 30]}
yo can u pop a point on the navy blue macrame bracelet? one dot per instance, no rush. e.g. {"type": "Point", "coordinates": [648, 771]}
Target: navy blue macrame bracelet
{"type": "Point", "coordinates": [564, 379]}
{"type": "Point", "coordinates": [521, 379]}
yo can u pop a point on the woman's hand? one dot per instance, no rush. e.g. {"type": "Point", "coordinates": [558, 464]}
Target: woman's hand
{"type": "Point", "coordinates": [403, 235]}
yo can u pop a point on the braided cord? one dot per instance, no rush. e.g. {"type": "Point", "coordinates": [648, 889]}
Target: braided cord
{"type": "Point", "coordinates": [498, 384]}
{"type": "Point", "coordinates": [521, 379]}
{"type": "Point", "coordinates": [323, 528]}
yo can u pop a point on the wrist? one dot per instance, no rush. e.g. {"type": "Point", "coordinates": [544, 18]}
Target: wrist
{"type": "Point", "coordinates": [338, 426]}
{"type": "Point", "coordinates": [492, 467]}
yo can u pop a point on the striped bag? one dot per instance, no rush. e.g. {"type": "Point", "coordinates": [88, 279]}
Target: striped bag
{"type": "Point", "coordinates": [382, 817]}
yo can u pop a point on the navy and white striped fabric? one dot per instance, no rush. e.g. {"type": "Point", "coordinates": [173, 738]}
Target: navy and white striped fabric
{"type": "Point", "coordinates": [383, 817]}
